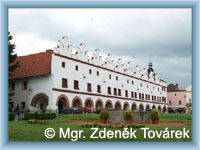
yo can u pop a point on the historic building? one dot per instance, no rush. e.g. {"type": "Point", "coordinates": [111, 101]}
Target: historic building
{"type": "Point", "coordinates": [179, 101]}
{"type": "Point", "coordinates": [189, 98]}
{"type": "Point", "coordinates": [74, 77]}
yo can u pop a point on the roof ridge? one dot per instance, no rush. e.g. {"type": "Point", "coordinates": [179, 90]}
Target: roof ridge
{"type": "Point", "coordinates": [47, 51]}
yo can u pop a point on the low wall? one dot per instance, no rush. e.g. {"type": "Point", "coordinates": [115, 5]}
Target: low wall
{"type": "Point", "coordinates": [117, 117]}
{"type": "Point", "coordinates": [142, 117]}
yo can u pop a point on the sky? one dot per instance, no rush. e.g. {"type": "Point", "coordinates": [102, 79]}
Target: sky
{"type": "Point", "coordinates": [139, 35]}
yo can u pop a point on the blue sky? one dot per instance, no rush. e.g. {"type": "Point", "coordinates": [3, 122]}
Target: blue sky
{"type": "Point", "coordinates": [164, 35]}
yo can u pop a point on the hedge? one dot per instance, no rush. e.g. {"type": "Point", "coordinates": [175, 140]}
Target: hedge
{"type": "Point", "coordinates": [11, 116]}
{"type": "Point", "coordinates": [28, 116]}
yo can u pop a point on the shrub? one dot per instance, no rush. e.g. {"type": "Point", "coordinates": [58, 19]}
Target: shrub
{"type": "Point", "coordinates": [95, 125]}
{"type": "Point", "coordinates": [104, 114]}
{"type": "Point", "coordinates": [86, 125]}
{"type": "Point", "coordinates": [11, 116]}
{"type": "Point", "coordinates": [155, 114]}
{"type": "Point", "coordinates": [98, 111]}
{"type": "Point", "coordinates": [90, 125]}
{"type": "Point", "coordinates": [137, 126]}
{"type": "Point", "coordinates": [29, 116]}
{"type": "Point", "coordinates": [128, 115]}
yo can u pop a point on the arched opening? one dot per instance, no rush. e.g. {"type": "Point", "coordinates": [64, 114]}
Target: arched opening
{"type": "Point", "coordinates": [159, 108]}
{"type": "Point", "coordinates": [147, 108]}
{"type": "Point", "coordinates": [76, 102]}
{"type": "Point", "coordinates": [153, 107]}
{"type": "Point", "coordinates": [62, 103]}
{"type": "Point", "coordinates": [134, 106]}
{"type": "Point", "coordinates": [89, 103]}
{"type": "Point", "coordinates": [126, 106]}
{"type": "Point", "coordinates": [99, 104]}
{"type": "Point", "coordinates": [108, 104]}
{"type": "Point", "coordinates": [40, 102]}
{"type": "Point", "coordinates": [118, 105]}
{"type": "Point", "coordinates": [141, 107]}
{"type": "Point", "coordinates": [164, 109]}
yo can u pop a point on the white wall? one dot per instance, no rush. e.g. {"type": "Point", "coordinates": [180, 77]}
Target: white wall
{"type": "Point", "coordinates": [36, 85]}
{"type": "Point", "coordinates": [189, 94]}
{"type": "Point", "coordinates": [71, 74]}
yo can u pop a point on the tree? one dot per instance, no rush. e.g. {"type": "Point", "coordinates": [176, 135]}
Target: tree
{"type": "Point", "coordinates": [13, 64]}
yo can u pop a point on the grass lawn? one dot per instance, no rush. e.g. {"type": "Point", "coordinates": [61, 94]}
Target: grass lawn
{"type": "Point", "coordinates": [23, 131]}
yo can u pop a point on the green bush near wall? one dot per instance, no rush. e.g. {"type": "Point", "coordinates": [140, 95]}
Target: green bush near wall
{"type": "Point", "coordinates": [11, 116]}
{"type": "Point", "coordinates": [28, 116]}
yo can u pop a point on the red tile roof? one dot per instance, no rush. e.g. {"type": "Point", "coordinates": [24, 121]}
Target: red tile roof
{"type": "Point", "coordinates": [33, 65]}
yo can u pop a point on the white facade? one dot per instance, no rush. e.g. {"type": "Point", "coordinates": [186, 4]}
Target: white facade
{"type": "Point", "coordinates": [189, 94]}
{"type": "Point", "coordinates": [77, 64]}
{"type": "Point", "coordinates": [189, 98]}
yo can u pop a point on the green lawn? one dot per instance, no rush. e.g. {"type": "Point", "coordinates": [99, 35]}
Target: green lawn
{"type": "Point", "coordinates": [185, 118]}
{"type": "Point", "coordinates": [23, 131]}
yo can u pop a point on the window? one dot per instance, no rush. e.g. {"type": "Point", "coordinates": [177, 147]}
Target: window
{"type": "Point", "coordinates": [63, 64]}
{"type": "Point", "coordinates": [175, 94]}
{"type": "Point", "coordinates": [170, 102]}
{"type": "Point", "coordinates": [158, 89]}
{"type": "Point", "coordinates": [115, 91]}
{"type": "Point", "coordinates": [76, 85]}
{"type": "Point", "coordinates": [141, 84]}
{"type": "Point", "coordinates": [23, 105]}
{"type": "Point", "coordinates": [97, 73]}
{"type": "Point", "coordinates": [12, 88]}
{"type": "Point", "coordinates": [89, 87]}
{"type": "Point", "coordinates": [179, 102]}
{"type": "Point", "coordinates": [140, 97]}
{"type": "Point", "coordinates": [135, 94]}
{"type": "Point", "coordinates": [109, 76]}
{"type": "Point", "coordinates": [126, 93]}
{"type": "Point", "coordinates": [147, 86]}
{"type": "Point", "coordinates": [41, 106]}
{"type": "Point", "coordinates": [132, 94]}
{"type": "Point", "coordinates": [109, 90]}
{"type": "Point", "coordinates": [90, 71]}
{"type": "Point", "coordinates": [76, 67]}
{"type": "Point", "coordinates": [116, 78]}
{"type": "Point", "coordinates": [153, 98]}
{"type": "Point", "coordinates": [64, 83]}
{"type": "Point", "coordinates": [164, 99]}
{"type": "Point", "coordinates": [128, 81]}
{"type": "Point", "coordinates": [132, 82]}
{"type": "Point", "coordinates": [11, 105]}
{"type": "Point", "coordinates": [119, 92]}
{"type": "Point", "coordinates": [98, 88]}
{"type": "Point", "coordinates": [24, 85]}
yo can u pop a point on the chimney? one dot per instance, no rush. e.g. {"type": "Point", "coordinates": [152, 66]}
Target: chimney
{"type": "Point", "coordinates": [49, 50]}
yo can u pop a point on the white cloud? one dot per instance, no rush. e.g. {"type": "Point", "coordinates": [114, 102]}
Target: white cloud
{"type": "Point", "coordinates": [31, 43]}
{"type": "Point", "coordinates": [162, 34]}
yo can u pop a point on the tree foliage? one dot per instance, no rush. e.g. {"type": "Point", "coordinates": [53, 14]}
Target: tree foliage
{"type": "Point", "coordinates": [13, 64]}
